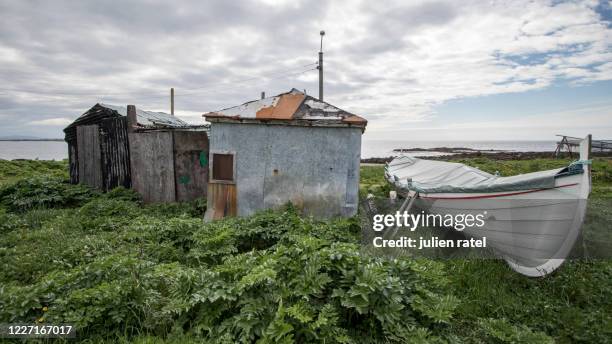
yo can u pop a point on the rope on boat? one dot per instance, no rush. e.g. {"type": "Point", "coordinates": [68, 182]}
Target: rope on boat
{"type": "Point", "coordinates": [582, 162]}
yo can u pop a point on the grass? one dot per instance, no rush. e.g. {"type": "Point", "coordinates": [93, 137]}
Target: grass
{"type": "Point", "coordinates": [571, 305]}
{"type": "Point", "coordinates": [13, 170]}
{"type": "Point", "coordinates": [133, 273]}
{"type": "Point", "coordinates": [372, 180]}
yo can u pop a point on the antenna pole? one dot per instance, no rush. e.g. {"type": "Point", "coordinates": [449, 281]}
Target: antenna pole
{"type": "Point", "coordinates": [172, 101]}
{"type": "Point", "coordinates": [320, 67]}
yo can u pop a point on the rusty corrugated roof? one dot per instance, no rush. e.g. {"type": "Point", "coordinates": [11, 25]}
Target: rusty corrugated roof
{"type": "Point", "coordinates": [292, 105]}
{"type": "Point", "coordinates": [283, 108]}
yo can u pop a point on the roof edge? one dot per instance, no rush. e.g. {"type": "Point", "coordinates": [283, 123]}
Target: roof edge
{"type": "Point", "coordinates": [298, 122]}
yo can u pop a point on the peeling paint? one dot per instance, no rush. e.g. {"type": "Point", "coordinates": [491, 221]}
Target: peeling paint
{"type": "Point", "coordinates": [317, 169]}
{"type": "Point", "coordinates": [290, 106]}
{"type": "Point", "coordinates": [283, 109]}
{"type": "Point", "coordinates": [203, 159]}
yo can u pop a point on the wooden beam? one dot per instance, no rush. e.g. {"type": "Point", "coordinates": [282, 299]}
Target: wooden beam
{"type": "Point", "coordinates": [172, 101]}
{"type": "Point", "coordinates": [132, 119]}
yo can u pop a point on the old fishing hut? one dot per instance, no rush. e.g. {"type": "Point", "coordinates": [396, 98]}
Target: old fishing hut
{"type": "Point", "coordinates": [160, 156]}
{"type": "Point", "coordinates": [288, 148]}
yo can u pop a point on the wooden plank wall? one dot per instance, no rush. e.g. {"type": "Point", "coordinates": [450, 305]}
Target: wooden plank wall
{"type": "Point", "coordinates": [115, 153]}
{"type": "Point", "coordinates": [152, 165]}
{"type": "Point", "coordinates": [73, 161]}
{"type": "Point", "coordinates": [222, 201]}
{"type": "Point", "coordinates": [190, 164]}
{"type": "Point", "coordinates": [89, 158]}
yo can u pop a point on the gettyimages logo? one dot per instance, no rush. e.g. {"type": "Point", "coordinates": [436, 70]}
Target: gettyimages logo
{"type": "Point", "coordinates": [389, 230]}
{"type": "Point", "coordinates": [528, 231]}
{"type": "Point", "coordinates": [413, 221]}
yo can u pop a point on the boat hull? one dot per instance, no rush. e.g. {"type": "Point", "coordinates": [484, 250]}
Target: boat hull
{"type": "Point", "coordinates": [533, 230]}
{"type": "Point", "coordinates": [531, 220]}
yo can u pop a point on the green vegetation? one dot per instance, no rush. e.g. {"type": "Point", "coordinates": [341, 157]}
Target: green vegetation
{"type": "Point", "coordinates": [372, 180]}
{"type": "Point", "coordinates": [12, 170]}
{"type": "Point", "coordinates": [127, 272]}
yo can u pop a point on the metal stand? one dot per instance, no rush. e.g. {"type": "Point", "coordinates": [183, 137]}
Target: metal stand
{"type": "Point", "coordinates": [406, 206]}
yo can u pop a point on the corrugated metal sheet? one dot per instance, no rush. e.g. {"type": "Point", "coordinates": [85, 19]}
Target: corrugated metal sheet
{"type": "Point", "coordinates": [292, 105]}
{"type": "Point", "coordinates": [73, 161]}
{"type": "Point", "coordinates": [313, 108]}
{"type": "Point", "coordinates": [92, 116]}
{"type": "Point", "coordinates": [146, 119]}
{"type": "Point", "coordinates": [249, 109]}
{"type": "Point", "coordinates": [115, 153]}
{"type": "Point", "coordinates": [150, 118]}
{"type": "Point", "coordinates": [284, 107]}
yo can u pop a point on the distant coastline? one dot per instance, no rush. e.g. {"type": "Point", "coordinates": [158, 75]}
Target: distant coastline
{"type": "Point", "coordinates": [19, 140]}
{"type": "Point", "coordinates": [445, 150]}
{"type": "Point", "coordinates": [462, 153]}
{"type": "Point", "coordinates": [12, 148]}
{"type": "Point", "coordinates": [386, 148]}
{"type": "Point", "coordinates": [372, 151]}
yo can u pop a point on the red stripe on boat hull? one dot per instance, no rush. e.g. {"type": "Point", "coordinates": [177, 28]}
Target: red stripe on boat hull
{"type": "Point", "coordinates": [499, 195]}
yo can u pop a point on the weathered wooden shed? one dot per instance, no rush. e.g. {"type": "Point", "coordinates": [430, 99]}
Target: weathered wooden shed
{"type": "Point", "coordinates": [160, 156]}
{"type": "Point", "coordinates": [287, 148]}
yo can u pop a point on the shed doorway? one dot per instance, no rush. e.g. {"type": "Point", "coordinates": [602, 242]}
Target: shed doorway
{"type": "Point", "coordinates": [88, 147]}
{"type": "Point", "coordinates": [222, 200]}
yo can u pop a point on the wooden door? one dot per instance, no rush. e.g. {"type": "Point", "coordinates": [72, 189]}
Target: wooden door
{"type": "Point", "coordinates": [222, 200]}
{"type": "Point", "coordinates": [190, 164]}
{"type": "Point", "coordinates": [88, 146]}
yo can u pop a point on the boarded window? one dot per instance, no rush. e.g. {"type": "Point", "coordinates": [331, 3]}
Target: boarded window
{"type": "Point", "coordinates": [223, 167]}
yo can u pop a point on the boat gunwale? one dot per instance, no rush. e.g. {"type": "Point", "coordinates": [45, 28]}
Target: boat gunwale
{"type": "Point", "coordinates": [495, 195]}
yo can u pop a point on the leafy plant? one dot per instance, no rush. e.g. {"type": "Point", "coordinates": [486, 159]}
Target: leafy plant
{"type": "Point", "coordinates": [124, 271]}
{"type": "Point", "coordinates": [43, 192]}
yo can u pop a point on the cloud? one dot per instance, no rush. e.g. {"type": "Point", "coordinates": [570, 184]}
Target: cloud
{"type": "Point", "coordinates": [577, 121]}
{"type": "Point", "coordinates": [392, 64]}
{"type": "Point", "coordinates": [61, 121]}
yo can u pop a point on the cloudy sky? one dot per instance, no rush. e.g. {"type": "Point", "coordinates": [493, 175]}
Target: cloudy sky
{"type": "Point", "coordinates": [435, 70]}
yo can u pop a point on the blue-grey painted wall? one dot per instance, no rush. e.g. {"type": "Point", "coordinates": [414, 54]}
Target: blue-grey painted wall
{"type": "Point", "coordinates": [315, 168]}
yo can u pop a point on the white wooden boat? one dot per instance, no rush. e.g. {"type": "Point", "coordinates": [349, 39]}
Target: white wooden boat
{"type": "Point", "coordinates": [531, 220]}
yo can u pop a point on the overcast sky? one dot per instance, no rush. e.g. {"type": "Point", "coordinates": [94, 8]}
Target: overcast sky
{"type": "Point", "coordinates": [416, 70]}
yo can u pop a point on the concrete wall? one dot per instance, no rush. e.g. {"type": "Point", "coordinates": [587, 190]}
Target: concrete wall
{"type": "Point", "coordinates": [316, 168]}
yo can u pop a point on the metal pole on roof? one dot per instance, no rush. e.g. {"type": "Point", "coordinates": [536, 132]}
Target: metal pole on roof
{"type": "Point", "coordinates": [172, 101]}
{"type": "Point", "coordinates": [320, 67]}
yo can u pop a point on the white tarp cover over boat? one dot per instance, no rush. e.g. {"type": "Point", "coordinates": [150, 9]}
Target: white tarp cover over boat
{"type": "Point", "coordinates": [430, 176]}
{"type": "Point", "coordinates": [532, 220]}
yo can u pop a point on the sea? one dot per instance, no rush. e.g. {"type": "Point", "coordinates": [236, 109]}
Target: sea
{"type": "Point", "coordinates": [58, 150]}
{"type": "Point", "coordinates": [41, 150]}
{"type": "Point", "coordinates": [384, 148]}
